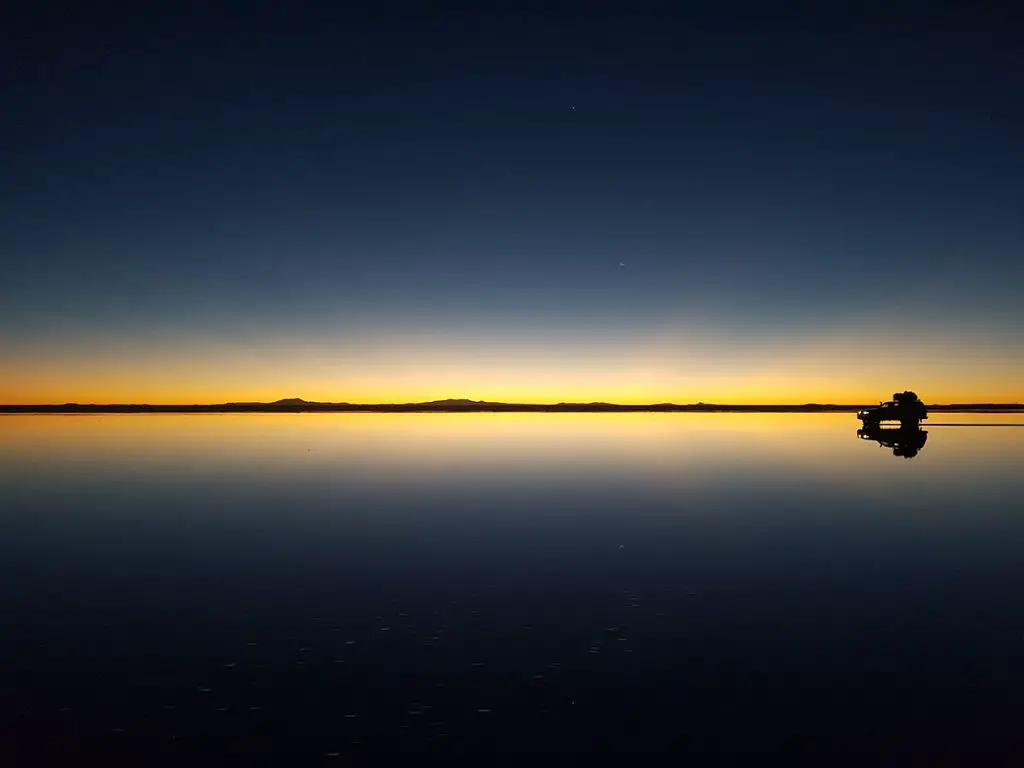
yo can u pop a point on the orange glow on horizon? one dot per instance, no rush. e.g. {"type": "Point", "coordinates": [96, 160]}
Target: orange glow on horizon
{"type": "Point", "coordinates": [953, 366]}
{"type": "Point", "coordinates": [766, 392]}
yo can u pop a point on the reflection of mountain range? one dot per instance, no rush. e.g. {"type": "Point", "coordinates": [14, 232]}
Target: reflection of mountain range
{"type": "Point", "coordinates": [298, 405]}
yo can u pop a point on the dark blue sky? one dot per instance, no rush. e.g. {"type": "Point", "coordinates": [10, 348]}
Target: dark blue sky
{"type": "Point", "coordinates": [331, 179]}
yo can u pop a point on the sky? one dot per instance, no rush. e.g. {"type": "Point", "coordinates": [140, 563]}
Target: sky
{"type": "Point", "coordinates": [537, 202]}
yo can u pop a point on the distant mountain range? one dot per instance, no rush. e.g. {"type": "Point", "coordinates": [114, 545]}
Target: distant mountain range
{"type": "Point", "coordinates": [461, 405]}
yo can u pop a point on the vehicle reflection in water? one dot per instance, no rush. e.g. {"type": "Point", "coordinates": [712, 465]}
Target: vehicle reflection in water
{"type": "Point", "coordinates": [905, 441]}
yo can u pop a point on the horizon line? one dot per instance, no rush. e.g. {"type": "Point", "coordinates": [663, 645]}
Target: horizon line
{"type": "Point", "coordinates": [464, 404]}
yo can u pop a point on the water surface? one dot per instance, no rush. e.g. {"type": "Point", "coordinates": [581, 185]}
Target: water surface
{"type": "Point", "coordinates": [328, 584]}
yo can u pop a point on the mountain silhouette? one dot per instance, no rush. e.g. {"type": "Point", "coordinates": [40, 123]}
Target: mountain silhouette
{"type": "Point", "coordinates": [299, 405]}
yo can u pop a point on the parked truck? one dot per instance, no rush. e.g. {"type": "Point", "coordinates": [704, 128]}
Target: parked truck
{"type": "Point", "coordinates": [905, 407]}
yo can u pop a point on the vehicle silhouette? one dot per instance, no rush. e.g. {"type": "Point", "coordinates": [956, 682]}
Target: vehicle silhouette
{"type": "Point", "coordinates": [905, 407]}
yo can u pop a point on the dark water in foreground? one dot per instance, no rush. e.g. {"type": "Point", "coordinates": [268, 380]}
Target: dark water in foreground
{"type": "Point", "coordinates": [328, 585]}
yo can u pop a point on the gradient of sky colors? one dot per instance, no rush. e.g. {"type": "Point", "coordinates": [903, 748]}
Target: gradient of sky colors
{"type": "Point", "coordinates": [632, 202]}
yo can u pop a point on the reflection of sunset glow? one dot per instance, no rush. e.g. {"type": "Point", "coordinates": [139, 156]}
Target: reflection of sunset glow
{"type": "Point", "coordinates": [343, 452]}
